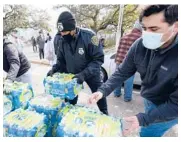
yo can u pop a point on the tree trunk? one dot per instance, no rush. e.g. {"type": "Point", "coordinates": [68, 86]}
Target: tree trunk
{"type": "Point", "coordinates": [122, 32]}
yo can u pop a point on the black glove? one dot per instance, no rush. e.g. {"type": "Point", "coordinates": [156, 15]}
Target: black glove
{"type": "Point", "coordinates": [50, 73]}
{"type": "Point", "coordinates": [79, 77]}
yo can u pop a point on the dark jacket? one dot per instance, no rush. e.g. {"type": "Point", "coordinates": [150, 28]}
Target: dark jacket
{"type": "Point", "coordinates": [159, 75]}
{"type": "Point", "coordinates": [40, 42]}
{"type": "Point", "coordinates": [33, 41]}
{"type": "Point", "coordinates": [80, 56]}
{"type": "Point", "coordinates": [56, 41]}
{"type": "Point", "coordinates": [15, 62]}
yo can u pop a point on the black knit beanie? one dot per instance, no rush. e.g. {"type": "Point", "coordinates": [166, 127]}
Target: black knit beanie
{"type": "Point", "coordinates": [66, 22]}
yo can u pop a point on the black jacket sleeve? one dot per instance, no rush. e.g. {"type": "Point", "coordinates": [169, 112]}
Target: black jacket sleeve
{"type": "Point", "coordinates": [123, 72]}
{"type": "Point", "coordinates": [60, 65]}
{"type": "Point", "coordinates": [96, 56]}
{"type": "Point", "coordinates": [13, 60]}
{"type": "Point", "coordinates": [164, 112]}
{"type": "Point", "coordinates": [56, 41]}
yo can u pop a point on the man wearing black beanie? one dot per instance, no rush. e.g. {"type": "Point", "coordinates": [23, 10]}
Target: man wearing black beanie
{"type": "Point", "coordinates": [78, 53]}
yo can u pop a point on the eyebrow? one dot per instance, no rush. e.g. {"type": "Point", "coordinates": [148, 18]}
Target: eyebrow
{"type": "Point", "coordinates": [150, 27]}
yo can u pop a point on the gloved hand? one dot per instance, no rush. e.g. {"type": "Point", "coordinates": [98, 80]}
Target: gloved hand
{"type": "Point", "coordinates": [79, 77]}
{"type": "Point", "coordinates": [50, 73]}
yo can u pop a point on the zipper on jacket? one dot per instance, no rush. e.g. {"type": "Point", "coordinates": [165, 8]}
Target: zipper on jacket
{"type": "Point", "coordinates": [153, 54]}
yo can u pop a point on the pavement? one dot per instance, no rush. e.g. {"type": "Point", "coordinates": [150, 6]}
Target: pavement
{"type": "Point", "coordinates": [116, 106]}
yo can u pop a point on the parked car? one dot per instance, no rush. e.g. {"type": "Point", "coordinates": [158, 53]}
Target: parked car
{"type": "Point", "coordinates": [109, 66]}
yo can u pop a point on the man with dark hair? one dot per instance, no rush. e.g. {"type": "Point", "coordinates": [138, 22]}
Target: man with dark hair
{"type": "Point", "coordinates": [78, 53]}
{"type": "Point", "coordinates": [155, 57]}
{"type": "Point", "coordinates": [41, 44]}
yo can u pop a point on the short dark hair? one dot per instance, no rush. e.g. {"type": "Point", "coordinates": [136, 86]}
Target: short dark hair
{"type": "Point", "coordinates": [170, 12]}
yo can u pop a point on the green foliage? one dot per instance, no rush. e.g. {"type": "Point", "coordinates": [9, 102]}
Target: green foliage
{"type": "Point", "coordinates": [103, 17]}
{"type": "Point", "coordinates": [130, 16]}
{"type": "Point", "coordinates": [23, 16]}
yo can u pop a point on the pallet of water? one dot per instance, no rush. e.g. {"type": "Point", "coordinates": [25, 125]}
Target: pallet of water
{"type": "Point", "coordinates": [18, 93]}
{"type": "Point", "coordinates": [7, 105]}
{"type": "Point", "coordinates": [62, 85]}
{"type": "Point", "coordinates": [50, 106]}
{"type": "Point", "coordinates": [79, 121]}
{"type": "Point", "coordinates": [24, 123]}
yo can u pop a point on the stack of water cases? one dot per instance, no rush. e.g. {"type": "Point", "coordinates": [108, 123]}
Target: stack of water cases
{"type": "Point", "coordinates": [7, 105]}
{"type": "Point", "coordinates": [62, 112]}
{"type": "Point", "coordinates": [84, 122]}
{"type": "Point", "coordinates": [24, 123]}
{"type": "Point", "coordinates": [62, 85]}
{"type": "Point", "coordinates": [19, 94]}
{"type": "Point", "coordinates": [50, 106]}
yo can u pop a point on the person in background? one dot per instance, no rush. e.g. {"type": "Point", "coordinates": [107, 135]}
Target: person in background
{"type": "Point", "coordinates": [155, 57]}
{"type": "Point", "coordinates": [49, 50]}
{"type": "Point", "coordinates": [41, 44]}
{"type": "Point", "coordinates": [102, 42]}
{"type": "Point", "coordinates": [125, 43]}
{"type": "Point", "coordinates": [33, 41]}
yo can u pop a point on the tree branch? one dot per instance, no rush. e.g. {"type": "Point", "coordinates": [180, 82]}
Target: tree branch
{"type": "Point", "coordinates": [129, 12]}
{"type": "Point", "coordinates": [5, 32]}
{"type": "Point", "coordinates": [8, 14]}
{"type": "Point", "coordinates": [105, 23]}
{"type": "Point", "coordinates": [88, 16]}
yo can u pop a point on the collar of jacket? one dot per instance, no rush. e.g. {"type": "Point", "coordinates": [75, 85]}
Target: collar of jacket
{"type": "Point", "coordinates": [173, 44]}
{"type": "Point", "coordinates": [77, 33]}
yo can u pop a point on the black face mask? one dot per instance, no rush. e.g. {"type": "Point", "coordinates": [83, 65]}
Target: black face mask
{"type": "Point", "coordinates": [68, 37]}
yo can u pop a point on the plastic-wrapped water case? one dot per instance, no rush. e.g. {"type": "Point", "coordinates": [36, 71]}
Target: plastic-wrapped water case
{"type": "Point", "coordinates": [85, 122]}
{"type": "Point", "coordinates": [24, 123]}
{"type": "Point", "coordinates": [62, 112]}
{"type": "Point", "coordinates": [7, 105]}
{"type": "Point", "coordinates": [50, 106]}
{"type": "Point", "coordinates": [62, 85]}
{"type": "Point", "coordinates": [19, 93]}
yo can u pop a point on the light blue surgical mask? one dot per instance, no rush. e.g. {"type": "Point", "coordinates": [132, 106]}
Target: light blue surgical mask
{"type": "Point", "coordinates": [154, 40]}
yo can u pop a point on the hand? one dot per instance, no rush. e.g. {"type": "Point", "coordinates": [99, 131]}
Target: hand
{"type": "Point", "coordinates": [8, 81]}
{"type": "Point", "coordinates": [7, 86]}
{"type": "Point", "coordinates": [79, 78]}
{"type": "Point", "coordinates": [130, 124]}
{"type": "Point", "coordinates": [95, 97]}
{"type": "Point", "coordinates": [50, 73]}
